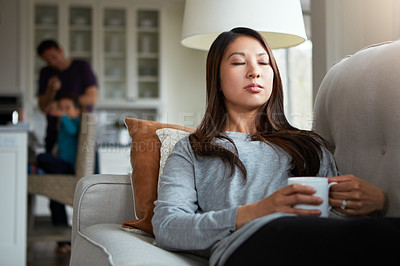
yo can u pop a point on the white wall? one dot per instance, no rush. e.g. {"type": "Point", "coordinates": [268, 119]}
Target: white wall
{"type": "Point", "coordinates": [183, 73]}
{"type": "Point", "coordinates": [354, 24]}
{"type": "Point", "coordinates": [11, 81]}
{"type": "Point", "coordinates": [342, 27]}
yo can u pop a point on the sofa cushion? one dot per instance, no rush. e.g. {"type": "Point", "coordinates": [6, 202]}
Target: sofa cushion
{"type": "Point", "coordinates": [168, 138]}
{"type": "Point", "coordinates": [145, 161]}
{"type": "Point", "coordinates": [108, 244]}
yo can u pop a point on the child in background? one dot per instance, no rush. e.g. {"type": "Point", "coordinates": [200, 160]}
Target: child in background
{"type": "Point", "coordinates": [68, 110]}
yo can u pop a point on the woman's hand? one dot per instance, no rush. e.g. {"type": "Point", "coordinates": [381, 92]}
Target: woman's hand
{"type": "Point", "coordinates": [282, 200]}
{"type": "Point", "coordinates": [362, 198]}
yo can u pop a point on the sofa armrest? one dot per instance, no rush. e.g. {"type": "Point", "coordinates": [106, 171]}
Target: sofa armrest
{"type": "Point", "coordinates": [101, 199]}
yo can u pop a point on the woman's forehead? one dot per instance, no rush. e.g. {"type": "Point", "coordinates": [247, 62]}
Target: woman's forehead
{"type": "Point", "coordinates": [245, 45]}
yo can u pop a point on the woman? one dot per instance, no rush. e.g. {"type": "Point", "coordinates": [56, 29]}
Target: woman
{"type": "Point", "coordinates": [224, 187]}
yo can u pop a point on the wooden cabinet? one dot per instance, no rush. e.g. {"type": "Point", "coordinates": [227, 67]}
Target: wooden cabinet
{"type": "Point", "coordinates": [120, 39]}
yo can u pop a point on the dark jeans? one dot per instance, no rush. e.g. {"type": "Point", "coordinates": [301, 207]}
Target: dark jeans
{"type": "Point", "coordinates": [53, 165]}
{"type": "Point", "coordinates": [321, 241]}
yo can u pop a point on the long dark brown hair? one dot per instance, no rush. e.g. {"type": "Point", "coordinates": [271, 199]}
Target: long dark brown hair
{"type": "Point", "coordinates": [304, 147]}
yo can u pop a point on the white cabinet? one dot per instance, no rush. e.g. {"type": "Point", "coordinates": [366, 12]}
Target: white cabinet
{"type": "Point", "coordinates": [120, 39]}
{"type": "Point", "coordinates": [13, 163]}
{"type": "Point", "coordinates": [114, 61]}
{"type": "Point", "coordinates": [45, 26]}
{"type": "Point", "coordinates": [80, 35]}
{"type": "Point", "coordinates": [148, 53]}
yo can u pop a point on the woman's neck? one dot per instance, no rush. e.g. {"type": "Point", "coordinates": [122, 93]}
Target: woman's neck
{"type": "Point", "coordinates": [241, 122]}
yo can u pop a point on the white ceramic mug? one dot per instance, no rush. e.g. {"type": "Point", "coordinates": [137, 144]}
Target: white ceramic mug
{"type": "Point", "coordinates": [322, 190]}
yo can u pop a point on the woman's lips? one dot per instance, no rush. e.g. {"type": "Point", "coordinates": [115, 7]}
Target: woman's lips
{"type": "Point", "coordinates": [254, 88]}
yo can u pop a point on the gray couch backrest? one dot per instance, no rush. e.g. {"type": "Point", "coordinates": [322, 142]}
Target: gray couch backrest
{"type": "Point", "coordinates": [357, 110]}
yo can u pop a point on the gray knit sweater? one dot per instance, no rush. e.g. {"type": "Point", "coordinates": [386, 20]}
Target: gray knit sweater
{"type": "Point", "coordinates": [197, 200]}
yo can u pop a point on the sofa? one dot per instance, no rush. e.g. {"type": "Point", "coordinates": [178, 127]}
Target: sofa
{"type": "Point", "coordinates": [102, 204]}
{"type": "Point", "coordinates": [355, 111]}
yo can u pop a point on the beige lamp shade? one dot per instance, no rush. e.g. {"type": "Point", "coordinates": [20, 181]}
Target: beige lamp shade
{"type": "Point", "coordinates": [279, 21]}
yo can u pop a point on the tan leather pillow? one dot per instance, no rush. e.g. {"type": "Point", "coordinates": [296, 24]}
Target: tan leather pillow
{"type": "Point", "coordinates": [145, 161]}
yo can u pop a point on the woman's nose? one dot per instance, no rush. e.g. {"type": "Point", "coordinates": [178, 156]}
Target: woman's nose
{"type": "Point", "coordinates": [254, 73]}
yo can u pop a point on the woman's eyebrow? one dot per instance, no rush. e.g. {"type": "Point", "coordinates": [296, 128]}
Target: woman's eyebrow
{"type": "Point", "coordinates": [243, 54]}
{"type": "Point", "coordinates": [237, 53]}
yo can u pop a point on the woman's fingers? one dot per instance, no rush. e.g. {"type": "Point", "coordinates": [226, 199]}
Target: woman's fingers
{"type": "Point", "coordinates": [303, 199]}
{"type": "Point", "coordinates": [297, 188]}
{"type": "Point", "coordinates": [304, 212]}
{"type": "Point", "coordinates": [361, 197]}
{"type": "Point", "coordinates": [342, 195]}
{"type": "Point", "coordinates": [351, 207]}
{"type": "Point", "coordinates": [297, 194]}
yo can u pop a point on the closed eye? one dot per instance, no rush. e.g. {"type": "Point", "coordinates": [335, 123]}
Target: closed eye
{"type": "Point", "coordinates": [238, 63]}
{"type": "Point", "coordinates": [264, 63]}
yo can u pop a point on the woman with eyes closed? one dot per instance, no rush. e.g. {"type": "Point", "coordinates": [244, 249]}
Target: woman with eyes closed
{"type": "Point", "coordinates": [224, 188]}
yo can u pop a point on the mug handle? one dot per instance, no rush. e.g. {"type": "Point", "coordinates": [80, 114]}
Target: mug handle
{"type": "Point", "coordinates": [332, 183]}
{"type": "Point", "coordinates": [329, 188]}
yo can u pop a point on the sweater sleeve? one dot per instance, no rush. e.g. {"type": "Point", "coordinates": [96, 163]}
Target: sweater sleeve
{"type": "Point", "coordinates": [178, 221]}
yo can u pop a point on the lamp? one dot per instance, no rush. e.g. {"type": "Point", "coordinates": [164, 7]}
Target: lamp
{"type": "Point", "coordinates": [279, 21]}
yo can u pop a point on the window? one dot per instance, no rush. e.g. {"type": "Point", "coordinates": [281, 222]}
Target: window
{"type": "Point", "coordinates": [295, 65]}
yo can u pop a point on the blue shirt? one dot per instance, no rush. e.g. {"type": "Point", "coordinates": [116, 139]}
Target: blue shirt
{"type": "Point", "coordinates": [68, 139]}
